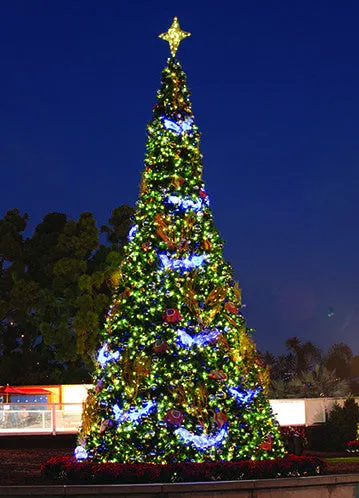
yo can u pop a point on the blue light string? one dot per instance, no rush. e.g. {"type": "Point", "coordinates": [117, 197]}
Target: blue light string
{"type": "Point", "coordinates": [185, 264]}
{"type": "Point", "coordinates": [203, 442]}
{"type": "Point", "coordinates": [133, 414]}
{"type": "Point", "coordinates": [105, 355]}
{"type": "Point", "coordinates": [202, 339]}
{"type": "Point", "coordinates": [178, 127]}
{"type": "Point", "coordinates": [132, 233]}
{"type": "Point", "coordinates": [184, 203]}
{"type": "Point", "coordinates": [242, 396]}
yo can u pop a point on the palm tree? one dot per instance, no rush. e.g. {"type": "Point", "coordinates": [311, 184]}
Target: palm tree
{"type": "Point", "coordinates": [282, 389]}
{"type": "Point", "coordinates": [283, 368]}
{"type": "Point", "coordinates": [319, 382]}
{"type": "Point", "coordinates": [323, 382]}
{"type": "Point", "coordinates": [306, 354]}
{"type": "Point", "coordinates": [339, 359]}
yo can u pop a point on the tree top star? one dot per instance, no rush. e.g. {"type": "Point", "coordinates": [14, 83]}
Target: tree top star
{"type": "Point", "coordinates": [174, 36]}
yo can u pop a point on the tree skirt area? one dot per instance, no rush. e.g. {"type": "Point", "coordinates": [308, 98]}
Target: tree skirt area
{"type": "Point", "coordinates": [21, 465]}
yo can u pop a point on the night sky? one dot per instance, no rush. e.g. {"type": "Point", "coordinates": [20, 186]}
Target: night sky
{"type": "Point", "coordinates": [275, 92]}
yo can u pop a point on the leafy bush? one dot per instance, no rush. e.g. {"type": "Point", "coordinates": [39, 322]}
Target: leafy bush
{"type": "Point", "coordinates": [343, 423]}
{"type": "Point", "coordinates": [340, 428]}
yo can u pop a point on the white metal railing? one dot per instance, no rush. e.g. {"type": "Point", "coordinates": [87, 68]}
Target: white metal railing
{"type": "Point", "coordinates": [51, 418]}
{"type": "Point", "coordinates": [59, 418]}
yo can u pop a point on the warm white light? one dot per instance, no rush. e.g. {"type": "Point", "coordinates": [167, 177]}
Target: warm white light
{"type": "Point", "coordinates": [289, 411]}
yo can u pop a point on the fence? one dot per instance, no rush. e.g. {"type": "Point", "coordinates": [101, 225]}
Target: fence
{"type": "Point", "coordinates": [61, 418]}
{"type": "Point", "coordinates": [54, 418]}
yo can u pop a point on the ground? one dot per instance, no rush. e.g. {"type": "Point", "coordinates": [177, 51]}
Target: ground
{"type": "Point", "coordinates": [21, 458]}
{"type": "Point", "coordinates": [22, 466]}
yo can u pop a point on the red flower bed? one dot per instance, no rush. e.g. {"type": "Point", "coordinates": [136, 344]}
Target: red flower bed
{"type": "Point", "coordinates": [67, 469]}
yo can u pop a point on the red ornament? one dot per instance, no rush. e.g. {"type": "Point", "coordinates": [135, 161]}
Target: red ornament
{"type": "Point", "coordinates": [177, 181]}
{"type": "Point", "coordinates": [171, 315]}
{"type": "Point", "coordinates": [203, 193]}
{"type": "Point", "coordinates": [260, 362]}
{"type": "Point", "coordinates": [174, 417]}
{"type": "Point", "coordinates": [267, 445]}
{"type": "Point", "coordinates": [125, 293]}
{"type": "Point", "coordinates": [206, 244]}
{"type": "Point", "coordinates": [160, 346]}
{"type": "Point", "coordinates": [231, 307]}
{"type": "Point", "coordinates": [220, 419]}
{"type": "Point", "coordinates": [146, 246]}
{"type": "Point", "coordinates": [217, 375]}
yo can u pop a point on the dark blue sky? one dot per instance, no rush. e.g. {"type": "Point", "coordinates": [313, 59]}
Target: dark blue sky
{"type": "Point", "coordinates": [275, 94]}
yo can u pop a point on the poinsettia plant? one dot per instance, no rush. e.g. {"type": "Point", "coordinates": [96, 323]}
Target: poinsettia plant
{"type": "Point", "coordinates": [352, 446]}
{"type": "Point", "coordinates": [69, 470]}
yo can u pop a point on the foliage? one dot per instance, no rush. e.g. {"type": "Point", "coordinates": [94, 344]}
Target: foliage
{"type": "Point", "coordinates": [282, 389]}
{"type": "Point", "coordinates": [311, 384]}
{"type": "Point", "coordinates": [54, 293]}
{"type": "Point", "coordinates": [304, 372]}
{"type": "Point", "coordinates": [66, 469]}
{"type": "Point", "coordinates": [339, 359]}
{"type": "Point", "coordinates": [320, 382]}
{"type": "Point", "coordinates": [282, 367]}
{"type": "Point", "coordinates": [343, 422]}
{"type": "Point", "coordinates": [306, 355]}
{"type": "Point", "coordinates": [340, 428]}
{"type": "Point", "coordinates": [354, 370]}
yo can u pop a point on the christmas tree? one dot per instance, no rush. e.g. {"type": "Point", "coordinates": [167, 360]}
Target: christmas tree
{"type": "Point", "coordinates": [178, 377]}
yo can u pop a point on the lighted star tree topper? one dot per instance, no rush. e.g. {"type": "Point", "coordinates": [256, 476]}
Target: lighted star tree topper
{"type": "Point", "coordinates": [174, 36]}
{"type": "Point", "coordinates": [178, 377]}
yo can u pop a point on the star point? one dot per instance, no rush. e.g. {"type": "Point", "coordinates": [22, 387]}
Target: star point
{"type": "Point", "coordinates": [174, 36]}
